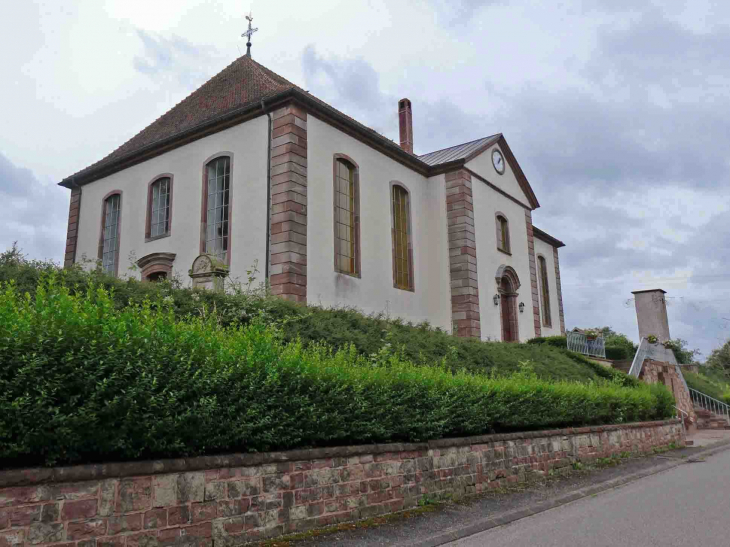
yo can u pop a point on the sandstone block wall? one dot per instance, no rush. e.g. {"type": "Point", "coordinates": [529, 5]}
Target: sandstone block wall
{"type": "Point", "coordinates": [230, 500]}
{"type": "Point", "coordinates": [657, 372]}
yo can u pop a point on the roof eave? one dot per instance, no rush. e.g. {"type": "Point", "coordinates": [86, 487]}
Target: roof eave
{"type": "Point", "coordinates": [239, 115]}
{"type": "Point", "coordinates": [156, 148]}
{"type": "Point", "coordinates": [547, 238]}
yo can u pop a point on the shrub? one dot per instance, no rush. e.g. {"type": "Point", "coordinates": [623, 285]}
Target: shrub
{"type": "Point", "coordinates": [81, 381]}
{"type": "Point", "coordinates": [554, 341]}
{"type": "Point", "coordinates": [421, 344]}
{"type": "Point", "coordinates": [616, 353]}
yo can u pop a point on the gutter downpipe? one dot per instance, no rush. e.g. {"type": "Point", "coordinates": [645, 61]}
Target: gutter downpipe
{"type": "Point", "coordinates": [268, 196]}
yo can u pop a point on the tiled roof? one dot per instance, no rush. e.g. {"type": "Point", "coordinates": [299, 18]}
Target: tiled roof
{"type": "Point", "coordinates": [243, 82]}
{"type": "Point", "coordinates": [458, 152]}
{"type": "Point", "coordinates": [237, 91]}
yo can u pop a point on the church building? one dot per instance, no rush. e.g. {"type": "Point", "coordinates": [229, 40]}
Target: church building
{"type": "Point", "coordinates": [252, 169]}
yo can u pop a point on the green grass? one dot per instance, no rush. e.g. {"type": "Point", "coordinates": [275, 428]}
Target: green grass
{"type": "Point", "coordinates": [710, 382]}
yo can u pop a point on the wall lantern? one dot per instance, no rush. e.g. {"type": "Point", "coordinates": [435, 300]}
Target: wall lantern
{"type": "Point", "coordinates": [496, 300]}
{"type": "Point", "coordinates": [522, 307]}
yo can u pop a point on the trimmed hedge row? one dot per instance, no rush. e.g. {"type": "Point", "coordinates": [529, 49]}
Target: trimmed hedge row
{"type": "Point", "coordinates": [340, 328]}
{"type": "Point", "coordinates": [81, 381]}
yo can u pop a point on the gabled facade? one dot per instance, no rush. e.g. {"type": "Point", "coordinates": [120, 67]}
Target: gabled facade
{"type": "Point", "coordinates": [254, 170]}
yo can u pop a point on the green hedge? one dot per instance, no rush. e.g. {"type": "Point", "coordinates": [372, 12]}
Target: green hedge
{"type": "Point", "coordinates": [617, 353]}
{"type": "Point", "coordinates": [554, 341]}
{"type": "Point", "coordinates": [81, 381]}
{"type": "Point", "coordinates": [340, 328]}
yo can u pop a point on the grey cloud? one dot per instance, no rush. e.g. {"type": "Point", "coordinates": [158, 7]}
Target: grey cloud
{"type": "Point", "coordinates": [353, 86]}
{"type": "Point", "coordinates": [174, 58]}
{"type": "Point", "coordinates": [14, 181]}
{"type": "Point", "coordinates": [33, 214]}
{"type": "Point", "coordinates": [459, 12]}
{"type": "Point", "coordinates": [657, 50]}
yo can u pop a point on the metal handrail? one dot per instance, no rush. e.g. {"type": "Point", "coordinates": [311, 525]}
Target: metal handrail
{"type": "Point", "coordinates": [635, 369]}
{"type": "Point", "coordinates": [709, 403]}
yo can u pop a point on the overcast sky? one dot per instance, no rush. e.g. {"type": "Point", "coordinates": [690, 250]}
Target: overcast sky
{"type": "Point", "coordinates": [617, 110]}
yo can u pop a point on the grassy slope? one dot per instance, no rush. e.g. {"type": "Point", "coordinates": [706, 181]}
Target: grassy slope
{"type": "Point", "coordinates": [710, 382]}
{"type": "Point", "coordinates": [420, 344]}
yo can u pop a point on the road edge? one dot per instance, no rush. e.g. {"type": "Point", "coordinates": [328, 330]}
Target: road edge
{"type": "Point", "coordinates": [488, 523]}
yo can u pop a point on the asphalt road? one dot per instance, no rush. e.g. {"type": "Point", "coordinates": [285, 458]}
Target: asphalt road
{"type": "Point", "coordinates": [686, 505]}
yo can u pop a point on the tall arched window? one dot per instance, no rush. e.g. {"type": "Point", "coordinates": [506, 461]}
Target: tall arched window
{"type": "Point", "coordinates": [110, 232]}
{"type": "Point", "coordinates": [217, 207]}
{"type": "Point", "coordinates": [502, 233]}
{"type": "Point", "coordinates": [402, 247]}
{"type": "Point", "coordinates": [159, 208]}
{"type": "Point", "coordinates": [545, 292]}
{"type": "Point", "coordinates": [347, 217]}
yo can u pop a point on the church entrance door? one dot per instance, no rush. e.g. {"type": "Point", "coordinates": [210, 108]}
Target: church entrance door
{"type": "Point", "coordinates": [508, 303]}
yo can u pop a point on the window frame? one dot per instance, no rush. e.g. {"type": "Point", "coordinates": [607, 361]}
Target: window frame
{"type": "Point", "coordinates": [503, 235]}
{"type": "Point", "coordinates": [337, 158]}
{"type": "Point", "coordinates": [102, 231]}
{"type": "Point", "coordinates": [148, 220]}
{"type": "Point", "coordinates": [545, 308]}
{"type": "Point", "coordinates": [409, 237]}
{"type": "Point", "coordinates": [204, 203]}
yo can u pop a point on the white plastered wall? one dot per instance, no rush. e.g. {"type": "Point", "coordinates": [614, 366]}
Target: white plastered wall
{"type": "Point", "coordinates": [248, 144]}
{"type": "Point", "coordinates": [507, 182]}
{"type": "Point", "coordinates": [546, 250]}
{"type": "Point", "coordinates": [487, 202]}
{"type": "Point", "coordinates": [374, 291]}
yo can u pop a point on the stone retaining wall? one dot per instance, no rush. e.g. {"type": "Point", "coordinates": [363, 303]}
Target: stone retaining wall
{"type": "Point", "coordinates": [229, 500]}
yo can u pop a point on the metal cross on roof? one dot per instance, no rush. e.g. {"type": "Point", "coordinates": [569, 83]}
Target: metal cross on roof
{"type": "Point", "coordinates": [248, 34]}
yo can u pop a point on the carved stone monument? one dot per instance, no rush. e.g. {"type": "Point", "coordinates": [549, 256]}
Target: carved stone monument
{"type": "Point", "coordinates": [208, 272]}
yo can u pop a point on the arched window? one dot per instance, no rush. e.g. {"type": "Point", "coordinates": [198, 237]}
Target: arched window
{"type": "Point", "coordinates": [216, 212]}
{"type": "Point", "coordinates": [545, 292]}
{"type": "Point", "coordinates": [347, 217]}
{"type": "Point", "coordinates": [402, 247]}
{"type": "Point", "coordinates": [502, 233]}
{"type": "Point", "coordinates": [159, 208]}
{"type": "Point", "coordinates": [110, 232]}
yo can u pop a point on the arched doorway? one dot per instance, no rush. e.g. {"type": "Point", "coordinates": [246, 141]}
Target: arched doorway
{"type": "Point", "coordinates": [507, 285]}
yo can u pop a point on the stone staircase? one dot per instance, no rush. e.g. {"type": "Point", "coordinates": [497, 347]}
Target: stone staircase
{"type": "Point", "coordinates": [709, 420]}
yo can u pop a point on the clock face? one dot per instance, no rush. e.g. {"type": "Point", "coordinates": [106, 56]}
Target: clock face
{"type": "Point", "coordinates": [498, 161]}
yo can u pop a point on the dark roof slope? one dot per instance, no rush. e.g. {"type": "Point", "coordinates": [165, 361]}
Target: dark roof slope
{"type": "Point", "coordinates": [242, 82]}
{"type": "Point", "coordinates": [236, 93]}
{"type": "Point", "coordinates": [458, 152]}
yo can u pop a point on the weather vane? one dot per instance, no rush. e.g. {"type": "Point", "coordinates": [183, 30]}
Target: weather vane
{"type": "Point", "coordinates": [248, 34]}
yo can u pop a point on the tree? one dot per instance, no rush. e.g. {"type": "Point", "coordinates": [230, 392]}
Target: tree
{"type": "Point", "coordinates": [720, 358]}
{"type": "Point", "coordinates": [684, 355]}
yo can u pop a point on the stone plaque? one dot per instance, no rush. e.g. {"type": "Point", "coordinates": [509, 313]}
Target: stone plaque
{"type": "Point", "coordinates": [208, 272]}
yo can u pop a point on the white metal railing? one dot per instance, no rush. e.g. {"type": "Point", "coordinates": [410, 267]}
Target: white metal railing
{"type": "Point", "coordinates": [635, 369]}
{"type": "Point", "coordinates": [708, 403]}
{"type": "Point", "coordinates": [579, 342]}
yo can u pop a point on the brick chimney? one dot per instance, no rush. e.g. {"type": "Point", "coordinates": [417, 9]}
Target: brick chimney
{"type": "Point", "coordinates": [405, 121]}
{"type": "Point", "coordinates": [651, 314]}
